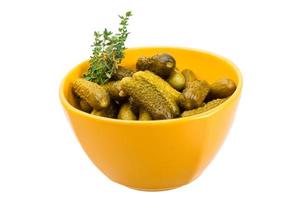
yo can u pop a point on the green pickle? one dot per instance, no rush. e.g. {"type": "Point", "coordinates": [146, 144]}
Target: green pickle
{"type": "Point", "coordinates": [189, 76]}
{"type": "Point", "coordinates": [210, 105]}
{"type": "Point", "coordinates": [194, 94]}
{"type": "Point", "coordinates": [160, 64]}
{"type": "Point", "coordinates": [110, 111]}
{"type": "Point", "coordinates": [84, 106]}
{"type": "Point", "coordinates": [126, 112]}
{"type": "Point", "coordinates": [134, 106]}
{"type": "Point", "coordinates": [161, 85]}
{"type": "Point", "coordinates": [95, 95]}
{"type": "Point", "coordinates": [113, 88]}
{"type": "Point", "coordinates": [151, 98]}
{"type": "Point", "coordinates": [176, 80]}
{"type": "Point", "coordinates": [164, 89]}
{"type": "Point", "coordinates": [144, 115]}
{"type": "Point", "coordinates": [222, 88]}
{"type": "Point", "coordinates": [122, 72]}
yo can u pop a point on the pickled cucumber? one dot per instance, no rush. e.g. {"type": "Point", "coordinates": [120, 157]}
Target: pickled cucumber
{"type": "Point", "coordinates": [222, 88]}
{"type": "Point", "coordinates": [194, 94]}
{"type": "Point", "coordinates": [161, 85]}
{"type": "Point", "coordinates": [134, 106]}
{"type": "Point", "coordinates": [210, 105]}
{"type": "Point", "coordinates": [110, 111]}
{"type": "Point", "coordinates": [84, 106]}
{"type": "Point", "coordinates": [189, 76]}
{"type": "Point", "coordinates": [169, 94]}
{"type": "Point", "coordinates": [122, 72]}
{"type": "Point", "coordinates": [144, 115]}
{"type": "Point", "coordinates": [160, 64]}
{"type": "Point", "coordinates": [113, 88]}
{"type": "Point", "coordinates": [176, 80]}
{"type": "Point", "coordinates": [94, 94]}
{"type": "Point", "coordinates": [126, 112]}
{"type": "Point", "coordinates": [148, 96]}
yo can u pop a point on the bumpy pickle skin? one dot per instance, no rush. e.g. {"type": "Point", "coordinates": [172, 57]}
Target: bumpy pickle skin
{"type": "Point", "coordinates": [160, 64]}
{"type": "Point", "coordinates": [126, 112]}
{"type": "Point", "coordinates": [222, 88]}
{"type": "Point", "coordinates": [144, 115]}
{"type": "Point", "coordinates": [194, 94]}
{"type": "Point", "coordinates": [170, 94]}
{"type": "Point", "coordinates": [176, 80]}
{"type": "Point", "coordinates": [122, 72]}
{"type": "Point", "coordinates": [189, 76]}
{"type": "Point", "coordinates": [210, 105]}
{"type": "Point", "coordinates": [110, 111]}
{"type": "Point", "coordinates": [94, 94]}
{"type": "Point", "coordinates": [146, 95]}
{"type": "Point", "coordinates": [113, 88]}
{"type": "Point", "coordinates": [84, 106]}
{"type": "Point", "coordinates": [160, 84]}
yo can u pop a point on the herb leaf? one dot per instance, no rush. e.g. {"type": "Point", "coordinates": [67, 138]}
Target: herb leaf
{"type": "Point", "coordinates": [108, 52]}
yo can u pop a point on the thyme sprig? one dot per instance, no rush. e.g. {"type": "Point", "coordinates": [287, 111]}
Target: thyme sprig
{"type": "Point", "coordinates": [108, 52]}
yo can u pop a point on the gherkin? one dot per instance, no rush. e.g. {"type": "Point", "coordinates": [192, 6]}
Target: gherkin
{"type": "Point", "coordinates": [195, 91]}
{"type": "Point", "coordinates": [85, 106]}
{"type": "Point", "coordinates": [134, 105]}
{"type": "Point", "coordinates": [194, 94]}
{"type": "Point", "coordinates": [113, 88]}
{"type": "Point", "coordinates": [176, 80]}
{"type": "Point", "coordinates": [122, 72]}
{"type": "Point", "coordinates": [189, 76]}
{"type": "Point", "coordinates": [126, 112]}
{"type": "Point", "coordinates": [94, 94]}
{"type": "Point", "coordinates": [161, 85]}
{"type": "Point", "coordinates": [150, 97]}
{"type": "Point", "coordinates": [222, 88]}
{"type": "Point", "coordinates": [210, 105]}
{"type": "Point", "coordinates": [144, 115]}
{"type": "Point", "coordinates": [110, 111]}
{"type": "Point", "coordinates": [160, 64]}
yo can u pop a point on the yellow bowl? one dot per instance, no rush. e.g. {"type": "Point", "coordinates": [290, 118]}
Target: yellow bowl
{"type": "Point", "coordinates": [162, 154]}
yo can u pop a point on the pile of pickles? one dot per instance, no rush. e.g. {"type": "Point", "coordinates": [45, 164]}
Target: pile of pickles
{"type": "Point", "coordinates": [156, 90]}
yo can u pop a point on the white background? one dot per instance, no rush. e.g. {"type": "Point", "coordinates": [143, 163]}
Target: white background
{"type": "Point", "coordinates": [40, 41]}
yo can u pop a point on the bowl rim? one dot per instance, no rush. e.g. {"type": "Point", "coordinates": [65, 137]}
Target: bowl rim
{"type": "Point", "coordinates": [206, 114]}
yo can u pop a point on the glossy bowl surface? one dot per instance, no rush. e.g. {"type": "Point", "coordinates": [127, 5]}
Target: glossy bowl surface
{"type": "Point", "coordinates": [162, 154]}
